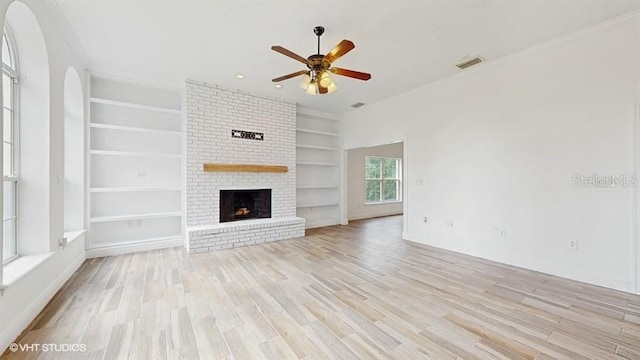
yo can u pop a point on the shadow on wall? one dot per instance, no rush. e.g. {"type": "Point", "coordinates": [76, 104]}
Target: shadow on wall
{"type": "Point", "coordinates": [374, 181]}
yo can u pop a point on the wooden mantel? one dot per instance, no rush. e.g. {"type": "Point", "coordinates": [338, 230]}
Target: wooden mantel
{"type": "Point", "coordinates": [245, 168]}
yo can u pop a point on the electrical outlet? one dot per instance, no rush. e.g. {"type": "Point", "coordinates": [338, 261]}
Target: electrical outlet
{"type": "Point", "coordinates": [62, 242]}
{"type": "Point", "coordinates": [573, 244]}
{"type": "Point", "coordinates": [450, 223]}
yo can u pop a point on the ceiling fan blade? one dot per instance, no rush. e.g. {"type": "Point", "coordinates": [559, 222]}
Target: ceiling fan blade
{"type": "Point", "coordinates": [289, 76]}
{"type": "Point", "coordinates": [351, 73]}
{"type": "Point", "coordinates": [342, 48]}
{"type": "Point", "coordinates": [290, 54]}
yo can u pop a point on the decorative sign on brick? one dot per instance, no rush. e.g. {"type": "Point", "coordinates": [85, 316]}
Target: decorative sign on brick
{"type": "Point", "coordinates": [247, 135]}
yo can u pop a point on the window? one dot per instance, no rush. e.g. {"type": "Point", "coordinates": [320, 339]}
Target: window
{"type": "Point", "coordinates": [382, 179]}
{"type": "Point", "coordinates": [9, 163]}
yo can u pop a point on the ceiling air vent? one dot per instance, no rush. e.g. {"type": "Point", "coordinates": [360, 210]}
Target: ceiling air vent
{"type": "Point", "coordinates": [357, 105]}
{"type": "Point", "coordinates": [470, 62]}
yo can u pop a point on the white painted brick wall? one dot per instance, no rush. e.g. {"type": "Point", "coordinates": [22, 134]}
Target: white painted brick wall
{"type": "Point", "coordinates": [212, 112]}
{"type": "Point", "coordinates": [242, 233]}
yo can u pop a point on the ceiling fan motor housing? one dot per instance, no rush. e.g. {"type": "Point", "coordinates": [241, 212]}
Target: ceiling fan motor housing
{"type": "Point", "coordinates": [318, 63]}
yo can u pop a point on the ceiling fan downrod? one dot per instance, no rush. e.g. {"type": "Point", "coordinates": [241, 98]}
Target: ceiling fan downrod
{"type": "Point", "coordinates": [318, 30]}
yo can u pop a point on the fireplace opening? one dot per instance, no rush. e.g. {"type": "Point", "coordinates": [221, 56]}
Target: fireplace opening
{"type": "Point", "coordinates": [244, 204]}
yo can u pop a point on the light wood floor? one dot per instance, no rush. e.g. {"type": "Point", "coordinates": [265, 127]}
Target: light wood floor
{"type": "Point", "coordinates": [341, 292]}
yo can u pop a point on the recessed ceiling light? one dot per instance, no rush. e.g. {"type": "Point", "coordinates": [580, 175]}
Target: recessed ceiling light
{"type": "Point", "coordinates": [278, 86]}
{"type": "Point", "coordinates": [239, 76]}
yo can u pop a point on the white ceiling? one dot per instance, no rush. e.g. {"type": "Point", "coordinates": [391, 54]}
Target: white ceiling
{"type": "Point", "coordinates": [404, 44]}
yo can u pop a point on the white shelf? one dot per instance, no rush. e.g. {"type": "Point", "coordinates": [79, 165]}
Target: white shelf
{"type": "Point", "coordinates": [135, 189]}
{"type": "Point", "coordinates": [318, 132]}
{"type": "Point", "coordinates": [136, 242]}
{"type": "Point", "coordinates": [315, 163]}
{"type": "Point", "coordinates": [317, 147]}
{"type": "Point", "coordinates": [135, 217]}
{"type": "Point", "coordinates": [132, 153]}
{"type": "Point", "coordinates": [317, 187]}
{"type": "Point", "coordinates": [134, 129]}
{"type": "Point", "coordinates": [310, 205]}
{"type": "Point", "coordinates": [134, 105]}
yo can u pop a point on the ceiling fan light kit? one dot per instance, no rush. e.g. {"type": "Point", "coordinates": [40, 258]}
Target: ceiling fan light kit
{"type": "Point", "coordinates": [317, 79]}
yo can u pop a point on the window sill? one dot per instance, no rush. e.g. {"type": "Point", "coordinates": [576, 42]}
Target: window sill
{"type": "Point", "coordinates": [20, 267]}
{"type": "Point", "coordinates": [383, 202]}
{"type": "Point", "coordinates": [73, 235]}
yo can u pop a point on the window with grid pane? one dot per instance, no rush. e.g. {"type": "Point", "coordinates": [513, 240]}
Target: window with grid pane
{"type": "Point", "coordinates": [382, 176]}
{"type": "Point", "coordinates": [9, 166]}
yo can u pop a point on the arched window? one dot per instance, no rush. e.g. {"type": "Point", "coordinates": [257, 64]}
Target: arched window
{"type": "Point", "coordinates": [10, 156]}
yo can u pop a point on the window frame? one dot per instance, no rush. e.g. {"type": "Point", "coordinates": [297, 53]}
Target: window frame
{"type": "Point", "coordinates": [382, 179]}
{"type": "Point", "coordinates": [13, 74]}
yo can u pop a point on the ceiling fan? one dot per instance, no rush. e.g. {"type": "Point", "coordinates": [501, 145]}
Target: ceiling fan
{"type": "Point", "coordinates": [317, 79]}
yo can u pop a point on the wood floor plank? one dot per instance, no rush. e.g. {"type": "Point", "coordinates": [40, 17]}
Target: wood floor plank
{"type": "Point", "coordinates": [356, 291]}
{"type": "Point", "coordinates": [299, 342]}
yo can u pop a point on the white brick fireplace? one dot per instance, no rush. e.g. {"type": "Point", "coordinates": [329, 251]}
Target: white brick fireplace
{"type": "Point", "coordinates": [212, 114]}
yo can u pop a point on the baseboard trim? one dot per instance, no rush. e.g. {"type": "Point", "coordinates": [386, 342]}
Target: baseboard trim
{"type": "Point", "coordinates": [547, 268]}
{"type": "Point", "coordinates": [22, 320]}
{"type": "Point", "coordinates": [133, 248]}
{"type": "Point", "coordinates": [311, 224]}
{"type": "Point", "coordinates": [374, 215]}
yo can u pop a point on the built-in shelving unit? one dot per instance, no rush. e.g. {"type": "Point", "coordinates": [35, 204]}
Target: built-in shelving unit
{"type": "Point", "coordinates": [317, 187]}
{"type": "Point", "coordinates": [329, 148]}
{"type": "Point", "coordinates": [135, 216]}
{"type": "Point", "coordinates": [309, 131]}
{"type": "Point", "coordinates": [133, 153]}
{"type": "Point", "coordinates": [136, 129]}
{"type": "Point", "coordinates": [320, 204]}
{"type": "Point", "coordinates": [312, 163]}
{"type": "Point", "coordinates": [136, 157]}
{"type": "Point", "coordinates": [317, 160]}
{"type": "Point", "coordinates": [135, 189]}
{"type": "Point", "coordinates": [99, 100]}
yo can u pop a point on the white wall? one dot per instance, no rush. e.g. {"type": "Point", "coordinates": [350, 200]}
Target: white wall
{"type": "Point", "coordinates": [22, 301]}
{"type": "Point", "coordinates": [74, 154]}
{"type": "Point", "coordinates": [356, 204]}
{"type": "Point", "coordinates": [497, 146]}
